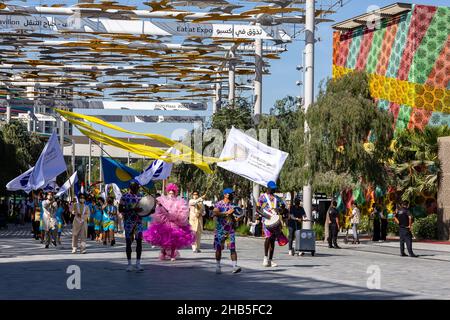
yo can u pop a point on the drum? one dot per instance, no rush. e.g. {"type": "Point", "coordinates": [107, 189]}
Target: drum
{"type": "Point", "coordinates": [274, 226]}
{"type": "Point", "coordinates": [238, 213]}
{"type": "Point", "coordinates": [148, 204]}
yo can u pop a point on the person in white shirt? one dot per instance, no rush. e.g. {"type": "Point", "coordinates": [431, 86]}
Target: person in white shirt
{"type": "Point", "coordinates": [81, 215]}
{"type": "Point", "coordinates": [49, 217]}
{"type": "Point", "coordinates": [355, 219]}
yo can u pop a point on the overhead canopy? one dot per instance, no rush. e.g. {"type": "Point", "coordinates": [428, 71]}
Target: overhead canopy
{"type": "Point", "coordinates": [110, 50]}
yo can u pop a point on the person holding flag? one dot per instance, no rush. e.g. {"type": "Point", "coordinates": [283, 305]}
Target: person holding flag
{"type": "Point", "coordinates": [49, 219]}
{"type": "Point", "coordinates": [225, 223]}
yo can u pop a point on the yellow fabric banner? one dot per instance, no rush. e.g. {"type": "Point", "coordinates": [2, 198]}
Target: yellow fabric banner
{"type": "Point", "coordinates": [186, 154]}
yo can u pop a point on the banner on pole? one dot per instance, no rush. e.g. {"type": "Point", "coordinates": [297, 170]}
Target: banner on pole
{"type": "Point", "coordinates": [253, 160]}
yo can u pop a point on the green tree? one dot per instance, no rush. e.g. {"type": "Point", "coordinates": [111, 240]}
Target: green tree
{"type": "Point", "coordinates": [415, 163]}
{"type": "Point", "coordinates": [287, 118]}
{"type": "Point", "coordinates": [340, 123]}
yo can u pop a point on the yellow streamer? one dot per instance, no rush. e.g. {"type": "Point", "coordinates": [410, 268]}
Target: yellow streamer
{"type": "Point", "coordinates": [187, 154]}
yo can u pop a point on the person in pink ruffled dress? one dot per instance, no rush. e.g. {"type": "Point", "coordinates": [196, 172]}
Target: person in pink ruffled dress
{"type": "Point", "coordinates": [170, 227]}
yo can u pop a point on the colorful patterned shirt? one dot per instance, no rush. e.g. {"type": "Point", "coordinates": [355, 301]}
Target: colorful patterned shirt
{"type": "Point", "coordinates": [127, 203]}
{"type": "Point", "coordinates": [224, 223]}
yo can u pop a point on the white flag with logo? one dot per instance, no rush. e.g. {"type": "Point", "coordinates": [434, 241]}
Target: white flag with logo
{"type": "Point", "coordinates": [49, 165]}
{"type": "Point", "coordinates": [157, 170]}
{"type": "Point", "coordinates": [20, 182]}
{"type": "Point", "coordinates": [68, 184]}
{"type": "Point", "coordinates": [253, 160]}
{"type": "Point", "coordinates": [115, 189]}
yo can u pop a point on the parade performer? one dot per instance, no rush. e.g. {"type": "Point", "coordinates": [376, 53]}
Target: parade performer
{"type": "Point", "coordinates": [98, 216]}
{"type": "Point", "coordinates": [196, 210]}
{"type": "Point", "coordinates": [91, 224]}
{"type": "Point", "coordinates": [81, 213]}
{"type": "Point", "coordinates": [109, 218]}
{"type": "Point", "coordinates": [60, 219]}
{"type": "Point", "coordinates": [271, 203]}
{"type": "Point", "coordinates": [49, 219]}
{"type": "Point", "coordinates": [170, 227]}
{"type": "Point", "coordinates": [132, 223]}
{"type": "Point", "coordinates": [225, 223]}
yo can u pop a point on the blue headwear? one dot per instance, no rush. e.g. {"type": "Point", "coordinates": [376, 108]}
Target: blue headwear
{"type": "Point", "coordinates": [228, 191]}
{"type": "Point", "coordinates": [272, 185]}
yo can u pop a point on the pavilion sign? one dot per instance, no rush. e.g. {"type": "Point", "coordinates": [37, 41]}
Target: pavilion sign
{"type": "Point", "coordinates": [102, 25]}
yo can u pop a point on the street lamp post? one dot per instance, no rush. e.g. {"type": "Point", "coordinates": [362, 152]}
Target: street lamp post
{"type": "Point", "coordinates": [308, 94]}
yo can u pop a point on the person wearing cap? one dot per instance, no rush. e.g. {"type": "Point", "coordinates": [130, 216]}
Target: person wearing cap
{"type": "Point", "coordinates": [132, 223]}
{"type": "Point", "coordinates": [225, 222]}
{"type": "Point", "coordinates": [270, 203]}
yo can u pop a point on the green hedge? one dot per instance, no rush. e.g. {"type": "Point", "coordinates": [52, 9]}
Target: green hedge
{"type": "Point", "coordinates": [425, 228]}
{"type": "Point", "coordinates": [320, 231]}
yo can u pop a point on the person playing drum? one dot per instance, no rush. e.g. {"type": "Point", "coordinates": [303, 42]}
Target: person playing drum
{"type": "Point", "coordinates": [225, 221]}
{"type": "Point", "coordinates": [129, 208]}
{"type": "Point", "coordinates": [270, 204]}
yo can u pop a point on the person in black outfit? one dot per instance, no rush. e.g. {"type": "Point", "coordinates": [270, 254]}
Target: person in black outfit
{"type": "Point", "coordinates": [404, 219]}
{"type": "Point", "coordinates": [333, 216]}
{"type": "Point", "coordinates": [375, 215]}
{"type": "Point", "coordinates": [296, 214]}
{"type": "Point", "coordinates": [383, 225]}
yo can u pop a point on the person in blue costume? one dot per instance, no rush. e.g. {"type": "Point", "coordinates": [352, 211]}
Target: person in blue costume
{"type": "Point", "coordinates": [98, 217]}
{"type": "Point", "coordinates": [108, 220]}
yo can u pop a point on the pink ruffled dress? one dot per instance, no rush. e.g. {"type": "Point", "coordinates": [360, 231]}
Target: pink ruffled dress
{"type": "Point", "coordinates": [170, 227]}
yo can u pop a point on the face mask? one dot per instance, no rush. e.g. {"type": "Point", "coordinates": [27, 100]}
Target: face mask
{"type": "Point", "coordinates": [82, 200]}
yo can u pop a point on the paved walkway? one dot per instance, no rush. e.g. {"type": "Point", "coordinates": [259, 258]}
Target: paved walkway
{"type": "Point", "coordinates": [29, 271]}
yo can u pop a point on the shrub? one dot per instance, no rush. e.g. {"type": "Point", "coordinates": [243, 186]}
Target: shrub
{"type": "Point", "coordinates": [243, 230]}
{"type": "Point", "coordinates": [425, 228]}
{"type": "Point", "coordinates": [365, 225]}
{"type": "Point", "coordinates": [320, 231]}
{"type": "Point", "coordinates": [210, 225]}
{"type": "Point", "coordinates": [392, 228]}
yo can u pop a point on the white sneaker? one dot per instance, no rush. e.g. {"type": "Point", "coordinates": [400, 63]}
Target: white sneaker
{"type": "Point", "coordinates": [266, 262]}
{"type": "Point", "coordinates": [130, 268]}
{"type": "Point", "coordinates": [218, 270]}
{"type": "Point", "coordinates": [84, 251]}
{"type": "Point", "coordinates": [291, 253]}
{"type": "Point", "coordinates": [74, 250]}
{"type": "Point", "coordinates": [272, 264]}
{"type": "Point", "coordinates": [139, 268]}
{"type": "Point", "coordinates": [237, 269]}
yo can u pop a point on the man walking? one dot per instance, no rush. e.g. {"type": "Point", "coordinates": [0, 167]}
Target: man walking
{"type": "Point", "coordinates": [296, 214]}
{"type": "Point", "coordinates": [196, 210]}
{"type": "Point", "coordinates": [404, 219]}
{"type": "Point", "coordinates": [333, 216]}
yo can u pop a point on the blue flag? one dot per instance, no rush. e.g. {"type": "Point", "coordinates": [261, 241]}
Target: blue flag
{"type": "Point", "coordinates": [121, 175]}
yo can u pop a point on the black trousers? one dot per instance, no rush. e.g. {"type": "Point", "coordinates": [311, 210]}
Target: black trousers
{"type": "Point", "coordinates": [91, 232]}
{"type": "Point", "coordinates": [384, 226]}
{"type": "Point", "coordinates": [36, 231]}
{"type": "Point", "coordinates": [376, 230]}
{"type": "Point", "coordinates": [405, 237]}
{"type": "Point", "coordinates": [333, 234]}
{"type": "Point", "coordinates": [292, 230]}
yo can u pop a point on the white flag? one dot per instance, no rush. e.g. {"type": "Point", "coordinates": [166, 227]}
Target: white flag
{"type": "Point", "coordinates": [253, 160]}
{"type": "Point", "coordinates": [49, 165]}
{"type": "Point", "coordinates": [68, 184]}
{"type": "Point", "coordinates": [157, 170]}
{"type": "Point", "coordinates": [116, 190]}
{"type": "Point", "coordinates": [21, 182]}
{"type": "Point", "coordinates": [51, 186]}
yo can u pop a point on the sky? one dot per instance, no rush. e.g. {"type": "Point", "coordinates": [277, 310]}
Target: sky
{"type": "Point", "coordinates": [282, 80]}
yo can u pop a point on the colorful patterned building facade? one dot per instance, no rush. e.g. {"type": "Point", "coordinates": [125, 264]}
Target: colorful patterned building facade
{"type": "Point", "coordinates": [407, 58]}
